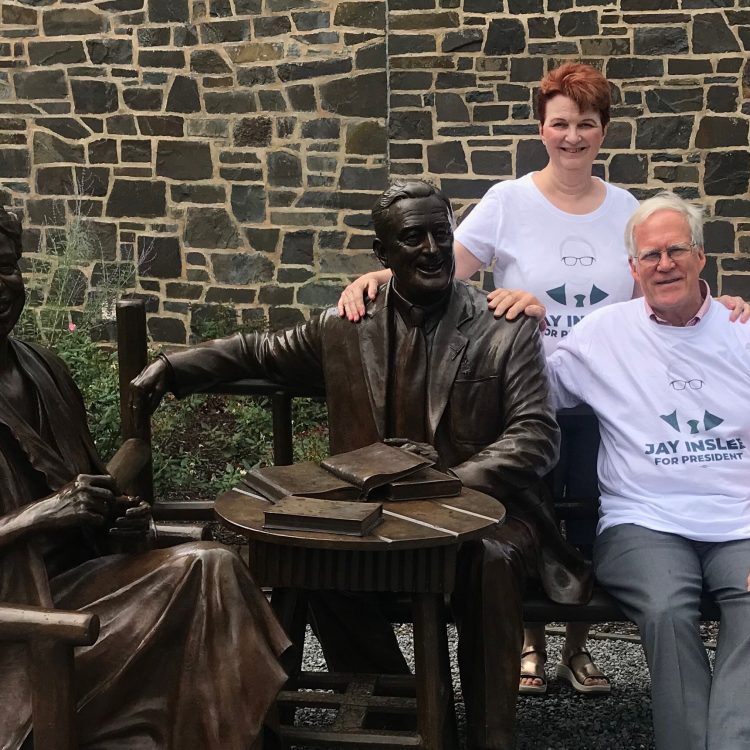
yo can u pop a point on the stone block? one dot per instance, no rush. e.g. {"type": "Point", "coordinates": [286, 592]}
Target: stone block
{"type": "Point", "coordinates": [181, 290]}
{"type": "Point", "coordinates": [94, 97]}
{"type": "Point", "coordinates": [718, 132]}
{"type": "Point", "coordinates": [676, 173]}
{"type": "Point", "coordinates": [606, 46]}
{"type": "Point", "coordinates": [450, 107]}
{"type": "Point", "coordinates": [166, 125]}
{"type": "Point", "coordinates": [226, 296]}
{"type": "Point", "coordinates": [365, 138]}
{"type": "Point", "coordinates": [222, 32]}
{"type": "Point", "coordinates": [410, 125]}
{"type": "Point", "coordinates": [249, 203]}
{"type": "Point", "coordinates": [73, 22]}
{"type": "Point", "coordinates": [271, 25]}
{"type": "Point", "coordinates": [668, 132]}
{"type": "Point", "coordinates": [271, 101]}
{"type": "Point", "coordinates": [578, 23]}
{"type": "Point", "coordinates": [361, 14]}
{"type": "Point", "coordinates": [404, 44]}
{"type": "Point", "coordinates": [446, 158]}
{"type": "Point", "coordinates": [184, 160]}
{"type": "Point", "coordinates": [45, 212]}
{"type": "Point", "coordinates": [159, 256]}
{"type": "Point", "coordinates": [110, 51]}
{"type": "Point", "coordinates": [70, 285]}
{"type": "Point", "coordinates": [229, 102]}
{"type": "Point", "coordinates": [166, 11]}
{"type": "Point", "coordinates": [103, 237]}
{"type": "Point", "coordinates": [319, 294]}
{"type": "Point", "coordinates": [154, 36]}
{"type": "Point", "coordinates": [688, 66]}
{"type": "Point", "coordinates": [16, 15]}
{"type": "Point", "coordinates": [371, 56]}
{"type": "Point", "coordinates": [314, 69]}
{"type": "Point", "coordinates": [208, 62]}
{"type": "Point", "coordinates": [263, 240]}
{"type": "Point", "coordinates": [49, 180]}
{"type": "Point", "coordinates": [633, 67]}
{"type": "Point", "coordinates": [727, 173]}
{"type": "Point", "coordinates": [465, 188]}
{"type": "Point", "coordinates": [122, 125]}
{"type": "Point", "coordinates": [48, 149]}
{"type": "Point", "coordinates": [722, 98]}
{"type": "Point", "coordinates": [483, 6]}
{"type": "Point", "coordinates": [56, 53]}
{"type": "Point", "coordinates": [495, 163]}
{"type": "Point", "coordinates": [531, 156]}
{"type": "Point", "coordinates": [183, 95]}
{"type": "Point", "coordinates": [363, 178]}
{"type": "Point", "coordinates": [678, 99]}
{"type": "Point", "coordinates": [284, 169]}
{"type": "Point", "coordinates": [272, 294]}
{"type": "Point", "coordinates": [103, 151]}
{"type": "Point", "coordinates": [660, 40]}
{"type": "Point", "coordinates": [253, 132]}
{"type": "Point", "coordinates": [628, 169]}
{"type": "Point", "coordinates": [161, 59]}
{"type": "Point", "coordinates": [505, 36]}
{"type": "Point", "coordinates": [711, 34]}
{"type": "Point", "coordinates": [210, 228]}
{"type": "Point", "coordinates": [137, 198]}
{"type": "Point", "coordinates": [297, 248]}
{"type": "Point", "coordinates": [256, 52]}
{"type": "Point", "coordinates": [142, 98]}
{"type": "Point", "coordinates": [257, 76]}
{"type": "Point", "coordinates": [302, 98]}
{"type": "Point", "coordinates": [242, 268]}
{"type": "Point", "coordinates": [418, 21]}
{"type": "Point", "coordinates": [310, 20]}
{"type": "Point", "coordinates": [718, 236]}
{"type": "Point", "coordinates": [466, 40]}
{"type": "Point", "coordinates": [322, 128]}
{"type": "Point", "coordinates": [41, 84]}
{"type": "Point", "coordinates": [529, 69]}
{"type": "Point", "coordinates": [284, 317]}
{"type": "Point", "coordinates": [67, 127]}
{"type": "Point", "coordinates": [541, 28]}
{"type": "Point", "coordinates": [490, 112]}
{"type": "Point", "coordinates": [356, 96]}
{"type": "Point", "coordinates": [167, 330]}
{"type": "Point", "coordinates": [198, 193]}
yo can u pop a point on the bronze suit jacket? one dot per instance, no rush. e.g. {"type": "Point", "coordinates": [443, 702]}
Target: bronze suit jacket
{"type": "Point", "coordinates": [488, 406]}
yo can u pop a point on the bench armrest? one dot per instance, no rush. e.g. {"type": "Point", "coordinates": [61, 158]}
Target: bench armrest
{"type": "Point", "coordinates": [27, 623]}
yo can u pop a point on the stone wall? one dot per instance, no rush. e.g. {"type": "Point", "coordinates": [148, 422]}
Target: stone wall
{"type": "Point", "coordinates": [231, 149]}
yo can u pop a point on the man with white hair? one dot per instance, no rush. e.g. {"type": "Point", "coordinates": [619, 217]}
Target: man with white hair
{"type": "Point", "coordinates": [674, 472]}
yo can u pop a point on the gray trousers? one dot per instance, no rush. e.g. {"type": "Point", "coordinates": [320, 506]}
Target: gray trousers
{"type": "Point", "coordinates": [658, 579]}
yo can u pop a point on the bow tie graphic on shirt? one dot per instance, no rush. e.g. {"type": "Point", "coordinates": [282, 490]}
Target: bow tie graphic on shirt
{"type": "Point", "coordinates": [560, 294]}
{"type": "Point", "coordinates": [708, 422]}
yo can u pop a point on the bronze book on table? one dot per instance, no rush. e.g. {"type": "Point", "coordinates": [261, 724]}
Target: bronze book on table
{"type": "Point", "coordinates": [319, 514]}
{"type": "Point", "coordinates": [309, 479]}
{"type": "Point", "coordinates": [423, 484]}
{"type": "Point", "coordinates": [374, 465]}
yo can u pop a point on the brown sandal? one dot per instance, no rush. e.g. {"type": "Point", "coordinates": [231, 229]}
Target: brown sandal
{"type": "Point", "coordinates": [577, 676]}
{"type": "Point", "coordinates": [531, 669]}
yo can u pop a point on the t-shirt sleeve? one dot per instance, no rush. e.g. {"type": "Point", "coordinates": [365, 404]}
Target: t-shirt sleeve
{"type": "Point", "coordinates": [568, 372]}
{"type": "Point", "coordinates": [478, 232]}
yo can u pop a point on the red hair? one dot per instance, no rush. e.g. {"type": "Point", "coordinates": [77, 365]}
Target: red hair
{"type": "Point", "coordinates": [585, 85]}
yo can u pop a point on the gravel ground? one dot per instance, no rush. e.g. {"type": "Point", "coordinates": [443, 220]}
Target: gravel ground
{"type": "Point", "coordinates": [562, 719]}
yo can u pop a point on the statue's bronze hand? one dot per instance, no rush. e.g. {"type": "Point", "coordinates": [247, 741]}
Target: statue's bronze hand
{"type": "Point", "coordinates": [84, 501]}
{"type": "Point", "coordinates": [149, 387]}
{"type": "Point", "coordinates": [425, 450]}
{"type": "Point", "coordinates": [133, 520]}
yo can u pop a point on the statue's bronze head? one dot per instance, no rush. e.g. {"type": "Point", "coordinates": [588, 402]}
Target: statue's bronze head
{"type": "Point", "coordinates": [414, 238]}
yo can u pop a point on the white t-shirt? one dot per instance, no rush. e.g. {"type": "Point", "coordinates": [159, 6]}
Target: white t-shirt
{"type": "Point", "coordinates": [673, 406]}
{"type": "Point", "coordinates": [572, 263]}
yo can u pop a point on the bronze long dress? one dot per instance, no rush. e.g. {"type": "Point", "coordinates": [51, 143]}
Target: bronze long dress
{"type": "Point", "coordinates": [187, 656]}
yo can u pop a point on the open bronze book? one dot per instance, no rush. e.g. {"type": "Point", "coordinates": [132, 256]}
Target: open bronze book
{"type": "Point", "coordinates": [318, 514]}
{"type": "Point", "coordinates": [377, 472]}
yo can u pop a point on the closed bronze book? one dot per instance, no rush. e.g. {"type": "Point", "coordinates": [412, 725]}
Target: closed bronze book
{"type": "Point", "coordinates": [424, 484]}
{"type": "Point", "coordinates": [317, 514]}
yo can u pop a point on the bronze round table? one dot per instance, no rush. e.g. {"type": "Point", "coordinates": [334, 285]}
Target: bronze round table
{"type": "Point", "coordinates": [413, 551]}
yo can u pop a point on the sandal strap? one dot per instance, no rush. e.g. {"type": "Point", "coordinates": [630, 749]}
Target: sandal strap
{"type": "Point", "coordinates": [587, 670]}
{"type": "Point", "coordinates": [534, 650]}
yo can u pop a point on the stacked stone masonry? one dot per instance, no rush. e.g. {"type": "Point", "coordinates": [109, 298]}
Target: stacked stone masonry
{"type": "Point", "coordinates": [230, 150]}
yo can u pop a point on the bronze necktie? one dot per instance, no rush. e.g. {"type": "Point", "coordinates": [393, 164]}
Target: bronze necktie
{"type": "Point", "coordinates": [409, 396]}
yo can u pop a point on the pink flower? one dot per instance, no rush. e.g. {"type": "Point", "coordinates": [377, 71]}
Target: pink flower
{"type": "Point", "coordinates": [72, 327]}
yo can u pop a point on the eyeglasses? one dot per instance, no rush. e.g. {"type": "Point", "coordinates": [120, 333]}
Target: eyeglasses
{"type": "Point", "coordinates": [675, 253]}
{"type": "Point", "coordinates": [571, 260]}
{"type": "Point", "coordinates": [679, 385]}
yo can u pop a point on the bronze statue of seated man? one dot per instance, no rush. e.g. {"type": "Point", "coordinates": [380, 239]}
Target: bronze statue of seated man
{"type": "Point", "coordinates": [430, 364]}
{"type": "Point", "coordinates": [187, 655]}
